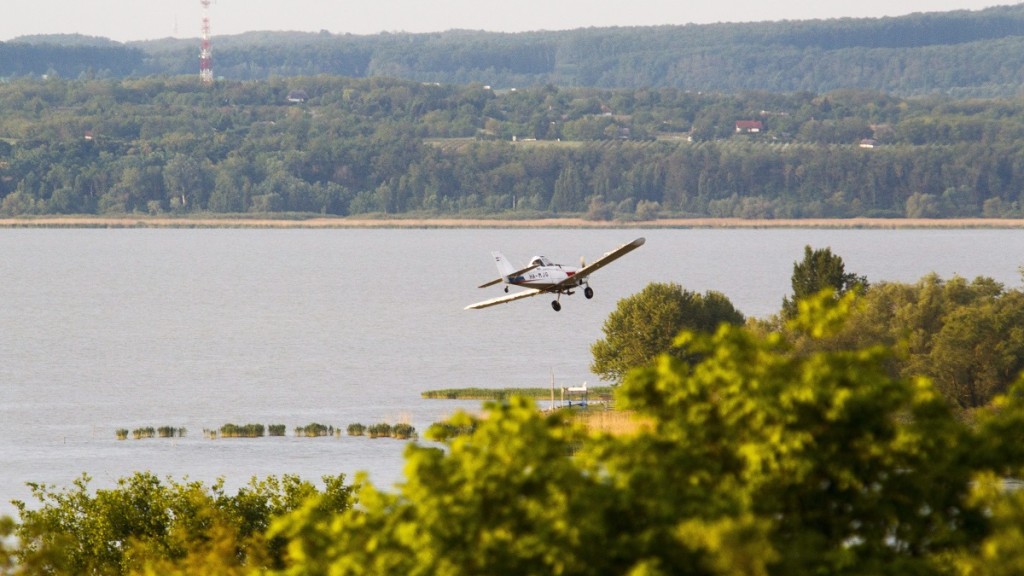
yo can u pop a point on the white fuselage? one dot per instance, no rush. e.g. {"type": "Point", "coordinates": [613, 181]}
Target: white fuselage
{"type": "Point", "coordinates": [545, 275]}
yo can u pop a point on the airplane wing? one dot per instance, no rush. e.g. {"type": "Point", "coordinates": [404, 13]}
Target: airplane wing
{"type": "Point", "coordinates": [603, 261]}
{"type": "Point", "coordinates": [503, 299]}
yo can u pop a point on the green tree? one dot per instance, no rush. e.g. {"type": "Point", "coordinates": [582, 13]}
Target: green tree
{"type": "Point", "coordinates": [823, 461]}
{"type": "Point", "coordinates": [185, 183]}
{"type": "Point", "coordinates": [146, 525]}
{"type": "Point", "coordinates": [966, 336]}
{"type": "Point", "coordinates": [568, 190]}
{"type": "Point", "coordinates": [643, 325]}
{"type": "Point", "coordinates": [819, 270]}
{"type": "Point", "coordinates": [978, 350]}
{"type": "Point", "coordinates": [755, 460]}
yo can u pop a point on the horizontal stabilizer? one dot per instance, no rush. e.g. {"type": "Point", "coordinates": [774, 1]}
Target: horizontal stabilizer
{"type": "Point", "coordinates": [509, 277]}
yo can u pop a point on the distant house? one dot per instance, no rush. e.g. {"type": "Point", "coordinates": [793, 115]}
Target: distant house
{"type": "Point", "coordinates": [297, 96]}
{"type": "Point", "coordinates": [749, 126]}
{"type": "Point", "coordinates": [868, 143]}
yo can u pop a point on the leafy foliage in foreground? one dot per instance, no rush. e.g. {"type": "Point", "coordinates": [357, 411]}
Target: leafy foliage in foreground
{"type": "Point", "coordinates": [761, 461]}
{"type": "Point", "coordinates": [147, 525]}
{"type": "Point", "coordinates": [759, 458]}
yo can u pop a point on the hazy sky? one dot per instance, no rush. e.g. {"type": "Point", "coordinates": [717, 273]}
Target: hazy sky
{"type": "Point", "coordinates": [146, 19]}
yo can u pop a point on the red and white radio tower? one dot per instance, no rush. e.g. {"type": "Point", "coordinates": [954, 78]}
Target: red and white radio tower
{"type": "Point", "coordinates": [205, 54]}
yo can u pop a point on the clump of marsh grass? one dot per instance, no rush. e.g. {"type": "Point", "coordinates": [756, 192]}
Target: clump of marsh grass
{"type": "Point", "coordinates": [381, 430]}
{"type": "Point", "coordinates": [314, 430]}
{"type": "Point", "coordinates": [146, 432]}
{"type": "Point", "coordinates": [449, 430]}
{"type": "Point", "coordinates": [171, 432]}
{"type": "Point", "coordinates": [403, 431]}
{"type": "Point", "coordinates": [121, 433]}
{"type": "Point", "coordinates": [276, 430]}
{"type": "Point", "coordinates": [242, 431]}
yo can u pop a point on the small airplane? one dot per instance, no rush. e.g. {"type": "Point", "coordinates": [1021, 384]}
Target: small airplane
{"type": "Point", "coordinates": [543, 276]}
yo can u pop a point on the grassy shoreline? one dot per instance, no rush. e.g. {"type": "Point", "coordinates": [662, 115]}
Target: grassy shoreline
{"type": "Point", "coordinates": [502, 393]}
{"type": "Point", "coordinates": [141, 221]}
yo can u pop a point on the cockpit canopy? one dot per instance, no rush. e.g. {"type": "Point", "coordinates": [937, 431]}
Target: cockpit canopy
{"type": "Point", "coordinates": [540, 261]}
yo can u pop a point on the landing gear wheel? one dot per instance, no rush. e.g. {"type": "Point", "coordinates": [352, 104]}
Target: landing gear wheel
{"type": "Point", "coordinates": [556, 305]}
{"type": "Point", "coordinates": [588, 292]}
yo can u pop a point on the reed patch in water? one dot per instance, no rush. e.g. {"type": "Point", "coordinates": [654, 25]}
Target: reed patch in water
{"type": "Point", "coordinates": [403, 431]}
{"type": "Point", "coordinates": [242, 431]}
{"type": "Point", "coordinates": [171, 432]}
{"type": "Point", "coordinates": [448, 430]}
{"type": "Point", "coordinates": [379, 430]}
{"type": "Point", "coordinates": [314, 430]}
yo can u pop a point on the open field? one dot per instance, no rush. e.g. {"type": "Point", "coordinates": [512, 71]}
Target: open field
{"type": "Point", "coordinates": [136, 221]}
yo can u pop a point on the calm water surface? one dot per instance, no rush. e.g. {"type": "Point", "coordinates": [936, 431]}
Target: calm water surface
{"type": "Point", "coordinates": [107, 329]}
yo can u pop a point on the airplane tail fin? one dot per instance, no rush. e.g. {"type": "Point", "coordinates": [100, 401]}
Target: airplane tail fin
{"type": "Point", "coordinates": [505, 268]}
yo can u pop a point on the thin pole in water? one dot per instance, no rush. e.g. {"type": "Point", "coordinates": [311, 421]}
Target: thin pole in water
{"type": "Point", "coordinates": [552, 388]}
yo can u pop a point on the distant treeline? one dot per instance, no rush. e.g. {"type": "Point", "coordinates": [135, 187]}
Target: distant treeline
{"type": "Point", "coordinates": [342, 146]}
{"type": "Point", "coordinates": [960, 53]}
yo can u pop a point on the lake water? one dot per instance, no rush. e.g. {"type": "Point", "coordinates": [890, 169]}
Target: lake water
{"type": "Point", "coordinates": [107, 329]}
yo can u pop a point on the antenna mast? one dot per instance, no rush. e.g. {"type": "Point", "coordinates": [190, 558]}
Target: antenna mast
{"type": "Point", "coordinates": [205, 53]}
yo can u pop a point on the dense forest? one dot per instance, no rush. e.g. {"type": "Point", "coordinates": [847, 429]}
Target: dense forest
{"type": "Point", "coordinates": [344, 146]}
{"type": "Point", "coordinates": [960, 53]}
{"type": "Point", "coordinates": [915, 116]}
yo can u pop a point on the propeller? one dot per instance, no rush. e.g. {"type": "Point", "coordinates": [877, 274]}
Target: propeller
{"type": "Point", "coordinates": [583, 262]}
